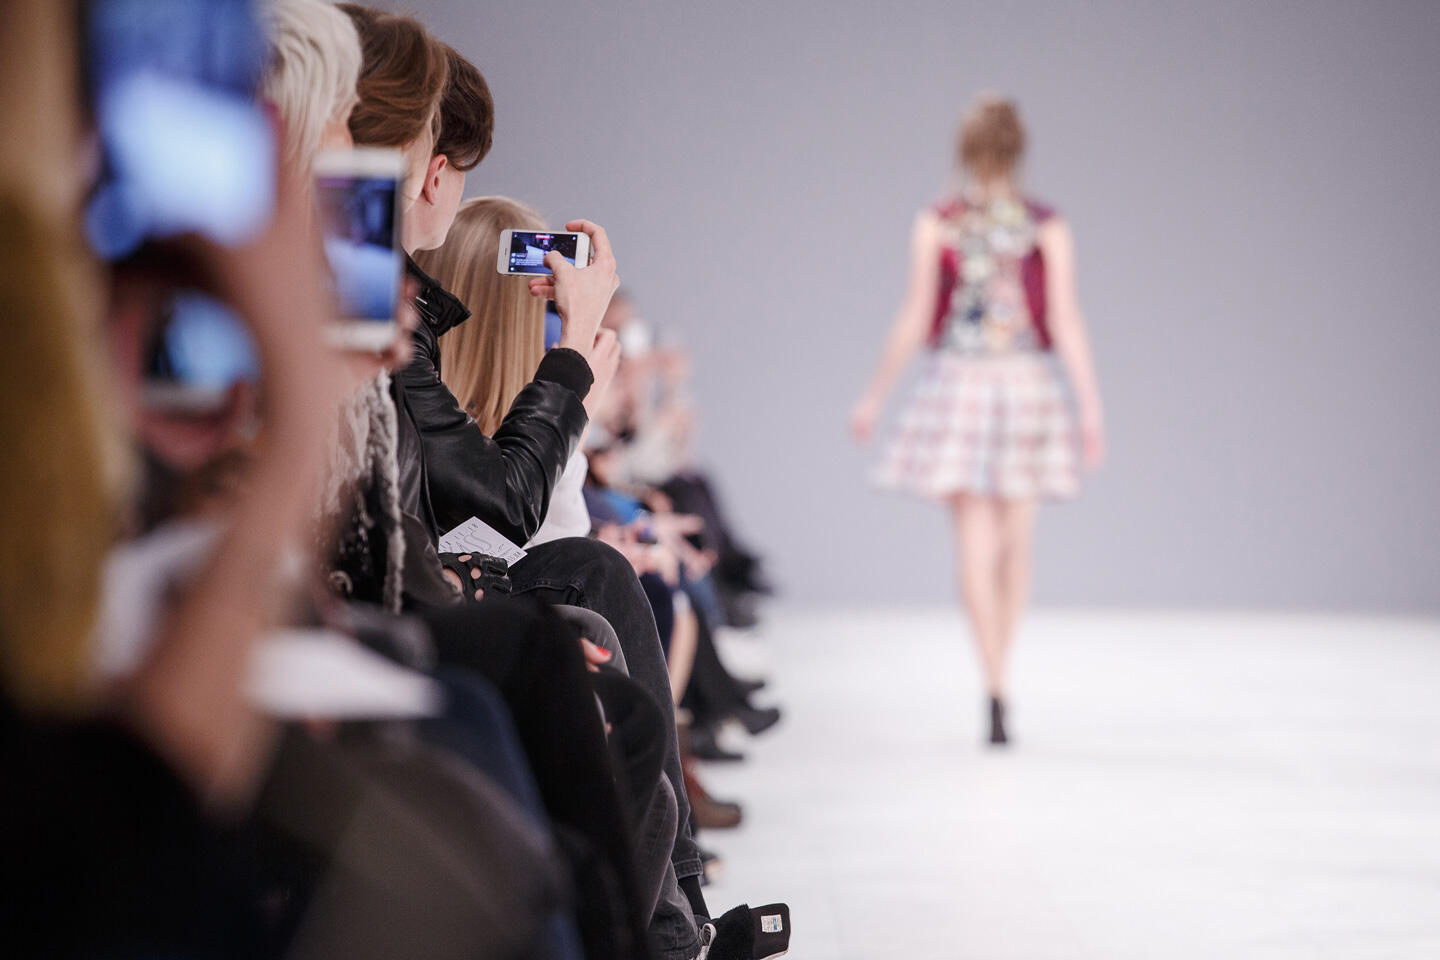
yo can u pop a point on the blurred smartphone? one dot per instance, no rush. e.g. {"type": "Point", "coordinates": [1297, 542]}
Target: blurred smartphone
{"type": "Point", "coordinates": [200, 351]}
{"type": "Point", "coordinates": [358, 194]}
{"type": "Point", "coordinates": [522, 252]}
{"type": "Point", "coordinates": [184, 146]}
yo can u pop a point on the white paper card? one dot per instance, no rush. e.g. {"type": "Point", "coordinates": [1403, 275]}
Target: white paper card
{"type": "Point", "coordinates": [477, 536]}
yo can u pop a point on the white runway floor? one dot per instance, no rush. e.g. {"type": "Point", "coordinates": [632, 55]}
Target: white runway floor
{"type": "Point", "coordinates": [1181, 786]}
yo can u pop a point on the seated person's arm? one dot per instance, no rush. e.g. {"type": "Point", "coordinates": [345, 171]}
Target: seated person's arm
{"type": "Point", "coordinates": [505, 480]}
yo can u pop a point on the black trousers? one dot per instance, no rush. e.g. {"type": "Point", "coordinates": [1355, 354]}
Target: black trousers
{"type": "Point", "coordinates": [587, 573]}
{"type": "Point", "coordinates": [533, 658]}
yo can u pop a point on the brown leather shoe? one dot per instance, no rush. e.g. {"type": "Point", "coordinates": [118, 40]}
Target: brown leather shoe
{"type": "Point", "coordinates": [710, 814]}
{"type": "Point", "coordinates": [715, 815]}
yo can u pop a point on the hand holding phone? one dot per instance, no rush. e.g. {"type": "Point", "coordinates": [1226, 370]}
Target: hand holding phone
{"type": "Point", "coordinates": [581, 296]}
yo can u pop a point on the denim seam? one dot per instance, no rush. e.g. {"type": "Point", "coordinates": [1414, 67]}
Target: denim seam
{"type": "Point", "coordinates": [689, 868]}
{"type": "Point", "coordinates": [688, 952]}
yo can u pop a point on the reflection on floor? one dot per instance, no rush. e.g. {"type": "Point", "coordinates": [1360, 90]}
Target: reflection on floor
{"type": "Point", "coordinates": [1181, 786]}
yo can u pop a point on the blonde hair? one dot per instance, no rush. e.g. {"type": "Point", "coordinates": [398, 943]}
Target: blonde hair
{"type": "Point", "coordinates": [487, 360]}
{"type": "Point", "coordinates": [314, 67]}
{"type": "Point", "coordinates": [60, 482]}
{"type": "Point", "coordinates": [992, 138]}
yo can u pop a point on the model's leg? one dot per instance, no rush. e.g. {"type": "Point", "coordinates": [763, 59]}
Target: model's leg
{"type": "Point", "coordinates": [1017, 531]}
{"type": "Point", "coordinates": [977, 539]}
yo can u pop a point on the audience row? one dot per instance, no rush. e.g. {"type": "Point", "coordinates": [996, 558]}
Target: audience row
{"type": "Point", "coordinates": [408, 650]}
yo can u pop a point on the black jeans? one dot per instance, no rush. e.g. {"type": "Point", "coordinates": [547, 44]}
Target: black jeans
{"type": "Point", "coordinates": [587, 573]}
{"type": "Point", "coordinates": [533, 659]}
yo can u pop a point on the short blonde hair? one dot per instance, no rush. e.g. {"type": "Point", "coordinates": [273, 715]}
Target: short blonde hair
{"type": "Point", "coordinates": [314, 67]}
{"type": "Point", "coordinates": [488, 359]}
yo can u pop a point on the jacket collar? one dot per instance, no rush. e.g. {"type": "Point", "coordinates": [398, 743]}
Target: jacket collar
{"type": "Point", "coordinates": [440, 309]}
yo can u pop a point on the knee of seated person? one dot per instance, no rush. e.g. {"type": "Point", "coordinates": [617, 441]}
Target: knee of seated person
{"type": "Point", "coordinates": [517, 613]}
{"type": "Point", "coordinates": [598, 558]}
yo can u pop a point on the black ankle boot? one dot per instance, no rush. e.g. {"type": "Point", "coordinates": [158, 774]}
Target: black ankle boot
{"type": "Point", "coordinates": [705, 745]}
{"type": "Point", "coordinates": [757, 720]}
{"type": "Point", "coordinates": [997, 721]}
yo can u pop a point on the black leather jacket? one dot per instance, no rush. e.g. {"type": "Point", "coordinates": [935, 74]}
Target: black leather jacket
{"type": "Point", "coordinates": [505, 480]}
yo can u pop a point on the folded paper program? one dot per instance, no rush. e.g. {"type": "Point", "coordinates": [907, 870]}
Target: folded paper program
{"type": "Point", "coordinates": [477, 536]}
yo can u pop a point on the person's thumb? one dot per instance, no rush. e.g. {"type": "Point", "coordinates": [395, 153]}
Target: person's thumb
{"type": "Point", "coordinates": [558, 264]}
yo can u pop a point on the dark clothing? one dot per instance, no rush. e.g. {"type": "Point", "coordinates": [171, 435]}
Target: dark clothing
{"type": "Point", "coordinates": [589, 574]}
{"type": "Point", "coordinates": [477, 727]}
{"type": "Point", "coordinates": [713, 692]}
{"type": "Point", "coordinates": [533, 659]}
{"type": "Point", "coordinates": [387, 848]}
{"type": "Point", "coordinates": [505, 480]}
{"type": "Point", "coordinates": [107, 852]}
{"type": "Point", "coordinates": [662, 604]}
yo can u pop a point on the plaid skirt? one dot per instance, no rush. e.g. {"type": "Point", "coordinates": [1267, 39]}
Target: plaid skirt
{"type": "Point", "coordinates": [997, 425]}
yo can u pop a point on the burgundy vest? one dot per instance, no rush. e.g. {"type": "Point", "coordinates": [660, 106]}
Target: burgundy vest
{"type": "Point", "coordinates": [1032, 274]}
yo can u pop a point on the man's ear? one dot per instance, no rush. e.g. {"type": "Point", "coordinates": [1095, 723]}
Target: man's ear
{"type": "Point", "coordinates": [430, 192]}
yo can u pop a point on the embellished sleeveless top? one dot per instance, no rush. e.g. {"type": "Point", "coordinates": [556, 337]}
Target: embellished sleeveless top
{"type": "Point", "coordinates": [992, 278]}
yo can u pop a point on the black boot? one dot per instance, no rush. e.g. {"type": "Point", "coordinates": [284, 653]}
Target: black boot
{"type": "Point", "coordinates": [705, 745]}
{"type": "Point", "coordinates": [757, 720]}
{"type": "Point", "coordinates": [997, 722]}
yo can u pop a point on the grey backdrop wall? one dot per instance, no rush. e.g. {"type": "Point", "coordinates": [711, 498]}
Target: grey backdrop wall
{"type": "Point", "coordinates": [1254, 194]}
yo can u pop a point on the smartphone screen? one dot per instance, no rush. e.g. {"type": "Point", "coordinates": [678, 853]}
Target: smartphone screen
{"type": "Point", "coordinates": [358, 216]}
{"type": "Point", "coordinates": [201, 350]}
{"type": "Point", "coordinates": [184, 145]}
{"type": "Point", "coordinates": [528, 249]}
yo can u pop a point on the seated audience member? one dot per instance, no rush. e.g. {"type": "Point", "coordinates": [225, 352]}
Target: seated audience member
{"type": "Point", "coordinates": [487, 360]}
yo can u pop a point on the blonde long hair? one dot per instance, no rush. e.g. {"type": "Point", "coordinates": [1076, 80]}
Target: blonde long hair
{"type": "Point", "coordinates": [488, 359]}
{"type": "Point", "coordinates": [58, 487]}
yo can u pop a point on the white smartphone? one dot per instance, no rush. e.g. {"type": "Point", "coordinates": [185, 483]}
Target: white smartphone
{"type": "Point", "coordinates": [522, 252]}
{"type": "Point", "coordinates": [358, 195]}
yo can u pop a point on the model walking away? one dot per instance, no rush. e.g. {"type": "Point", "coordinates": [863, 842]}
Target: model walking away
{"type": "Point", "coordinates": [992, 427]}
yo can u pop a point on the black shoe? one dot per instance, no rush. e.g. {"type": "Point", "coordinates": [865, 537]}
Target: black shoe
{"type": "Point", "coordinates": [748, 687]}
{"type": "Point", "coordinates": [706, 746]}
{"type": "Point", "coordinates": [997, 722]}
{"type": "Point", "coordinates": [757, 721]}
{"type": "Point", "coordinates": [746, 933]}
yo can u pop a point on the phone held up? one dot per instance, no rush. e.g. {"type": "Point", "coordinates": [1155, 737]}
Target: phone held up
{"type": "Point", "coordinates": [357, 192]}
{"type": "Point", "coordinates": [198, 352]}
{"type": "Point", "coordinates": [522, 252]}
